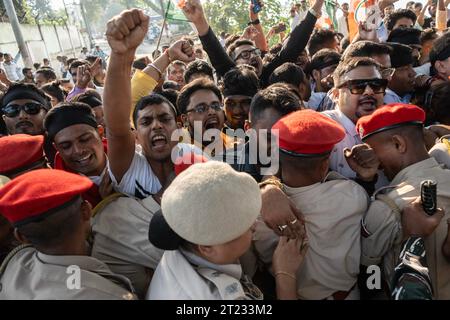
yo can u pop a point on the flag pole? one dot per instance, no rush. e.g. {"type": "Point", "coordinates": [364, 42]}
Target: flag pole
{"type": "Point", "coordinates": [163, 25]}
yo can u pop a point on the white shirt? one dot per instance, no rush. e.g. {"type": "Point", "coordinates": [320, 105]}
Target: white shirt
{"type": "Point", "coordinates": [140, 181]}
{"type": "Point", "coordinates": [338, 162]}
{"type": "Point", "coordinates": [315, 99]}
{"type": "Point", "coordinates": [423, 69]}
{"type": "Point", "coordinates": [13, 72]}
{"type": "Point", "coordinates": [391, 97]}
{"type": "Point", "coordinates": [342, 25]}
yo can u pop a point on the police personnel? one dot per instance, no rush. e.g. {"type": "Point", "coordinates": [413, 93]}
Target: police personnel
{"type": "Point", "coordinates": [395, 133]}
{"type": "Point", "coordinates": [49, 215]}
{"type": "Point", "coordinates": [331, 267]}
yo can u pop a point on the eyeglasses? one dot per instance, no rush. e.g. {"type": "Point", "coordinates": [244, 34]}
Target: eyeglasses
{"type": "Point", "coordinates": [359, 86]}
{"type": "Point", "coordinates": [203, 107]}
{"type": "Point", "coordinates": [387, 73]}
{"type": "Point", "coordinates": [13, 110]}
{"type": "Point", "coordinates": [248, 53]}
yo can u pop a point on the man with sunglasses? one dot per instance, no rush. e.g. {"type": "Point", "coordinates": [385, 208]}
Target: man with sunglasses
{"type": "Point", "coordinates": [358, 91]}
{"type": "Point", "coordinates": [401, 85]}
{"type": "Point", "coordinates": [24, 107]}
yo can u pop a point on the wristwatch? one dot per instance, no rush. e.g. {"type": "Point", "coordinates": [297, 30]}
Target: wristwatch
{"type": "Point", "coordinates": [255, 22]}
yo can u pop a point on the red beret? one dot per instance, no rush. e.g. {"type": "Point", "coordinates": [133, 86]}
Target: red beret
{"type": "Point", "coordinates": [390, 116]}
{"type": "Point", "coordinates": [34, 194]}
{"type": "Point", "coordinates": [308, 133]}
{"type": "Point", "coordinates": [187, 160]}
{"type": "Point", "coordinates": [20, 150]}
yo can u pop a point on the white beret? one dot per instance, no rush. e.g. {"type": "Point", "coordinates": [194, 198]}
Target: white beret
{"type": "Point", "coordinates": [211, 204]}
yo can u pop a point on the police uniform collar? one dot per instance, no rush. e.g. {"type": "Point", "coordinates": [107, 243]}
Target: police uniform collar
{"type": "Point", "coordinates": [233, 270]}
{"type": "Point", "coordinates": [415, 169]}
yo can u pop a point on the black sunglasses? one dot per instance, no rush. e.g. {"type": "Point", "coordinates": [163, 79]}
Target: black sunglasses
{"type": "Point", "coordinates": [359, 86]}
{"type": "Point", "coordinates": [13, 110]}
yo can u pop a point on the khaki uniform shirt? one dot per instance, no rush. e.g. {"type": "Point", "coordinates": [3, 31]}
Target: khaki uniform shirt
{"type": "Point", "coordinates": [120, 232]}
{"type": "Point", "coordinates": [382, 223]}
{"type": "Point", "coordinates": [30, 274]}
{"type": "Point", "coordinates": [333, 211]}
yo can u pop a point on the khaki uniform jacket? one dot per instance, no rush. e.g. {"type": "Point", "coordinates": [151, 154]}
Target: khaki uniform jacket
{"type": "Point", "coordinates": [382, 232]}
{"type": "Point", "coordinates": [29, 274]}
{"type": "Point", "coordinates": [120, 231]}
{"type": "Point", "coordinates": [333, 211]}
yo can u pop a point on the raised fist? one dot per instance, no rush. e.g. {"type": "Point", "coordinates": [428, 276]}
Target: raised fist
{"type": "Point", "coordinates": [126, 31]}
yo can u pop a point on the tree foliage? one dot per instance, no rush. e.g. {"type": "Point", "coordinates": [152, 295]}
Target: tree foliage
{"type": "Point", "coordinates": [232, 15]}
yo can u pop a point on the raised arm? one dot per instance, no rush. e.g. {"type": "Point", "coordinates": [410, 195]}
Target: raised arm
{"type": "Point", "coordinates": [421, 17]}
{"type": "Point", "coordinates": [193, 10]}
{"type": "Point", "coordinates": [124, 33]}
{"type": "Point", "coordinates": [145, 81]}
{"type": "Point", "coordinates": [260, 39]}
{"type": "Point", "coordinates": [296, 43]}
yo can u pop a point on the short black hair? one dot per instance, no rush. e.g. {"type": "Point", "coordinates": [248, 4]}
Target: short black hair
{"type": "Point", "coordinates": [140, 63]}
{"type": "Point", "coordinates": [170, 94]}
{"type": "Point", "coordinates": [274, 96]}
{"type": "Point", "coordinates": [398, 14]}
{"type": "Point", "coordinates": [365, 49]}
{"type": "Point", "coordinates": [188, 90]}
{"type": "Point", "coordinates": [147, 101]}
{"type": "Point", "coordinates": [241, 80]}
{"type": "Point", "coordinates": [405, 35]}
{"type": "Point", "coordinates": [231, 39]}
{"type": "Point", "coordinates": [350, 64]}
{"type": "Point", "coordinates": [288, 73]}
{"type": "Point", "coordinates": [54, 228]}
{"type": "Point", "coordinates": [169, 84]}
{"type": "Point", "coordinates": [85, 97]}
{"type": "Point", "coordinates": [25, 70]}
{"type": "Point", "coordinates": [198, 66]}
{"type": "Point", "coordinates": [236, 44]}
{"type": "Point", "coordinates": [401, 55]}
{"type": "Point", "coordinates": [91, 59]}
{"type": "Point", "coordinates": [440, 46]}
{"type": "Point", "coordinates": [428, 34]}
{"type": "Point", "coordinates": [418, 4]}
{"type": "Point", "coordinates": [319, 39]}
{"type": "Point", "coordinates": [176, 63]}
{"type": "Point", "coordinates": [53, 88]}
{"type": "Point", "coordinates": [438, 104]}
{"type": "Point", "coordinates": [77, 63]}
{"type": "Point", "coordinates": [48, 74]}
{"type": "Point", "coordinates": [321, 59]}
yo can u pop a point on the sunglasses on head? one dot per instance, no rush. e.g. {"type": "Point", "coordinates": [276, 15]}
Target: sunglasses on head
{"type": "Point", "coordinates": [359, 86]}
{"type": "Point", "coordinates": [13, 110]}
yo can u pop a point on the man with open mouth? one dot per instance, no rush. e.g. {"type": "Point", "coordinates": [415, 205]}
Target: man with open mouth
{"type": "Point", "coordinates": [202, 115]}
{"type": "Point", "coordinates": [80, 142]}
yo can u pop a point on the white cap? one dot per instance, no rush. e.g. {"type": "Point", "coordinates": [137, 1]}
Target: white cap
{"type": "Point", "coordinates": [211, 204]}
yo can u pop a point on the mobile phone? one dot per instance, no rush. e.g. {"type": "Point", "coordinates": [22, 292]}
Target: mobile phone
{"type": "Point", "coordinates": [256, 6]}
{"type": "Point", "coordinates": [428, 190]}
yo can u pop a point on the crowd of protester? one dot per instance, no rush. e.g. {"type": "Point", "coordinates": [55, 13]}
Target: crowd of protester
{"type": "Point", "coordinates": [105, 164]}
